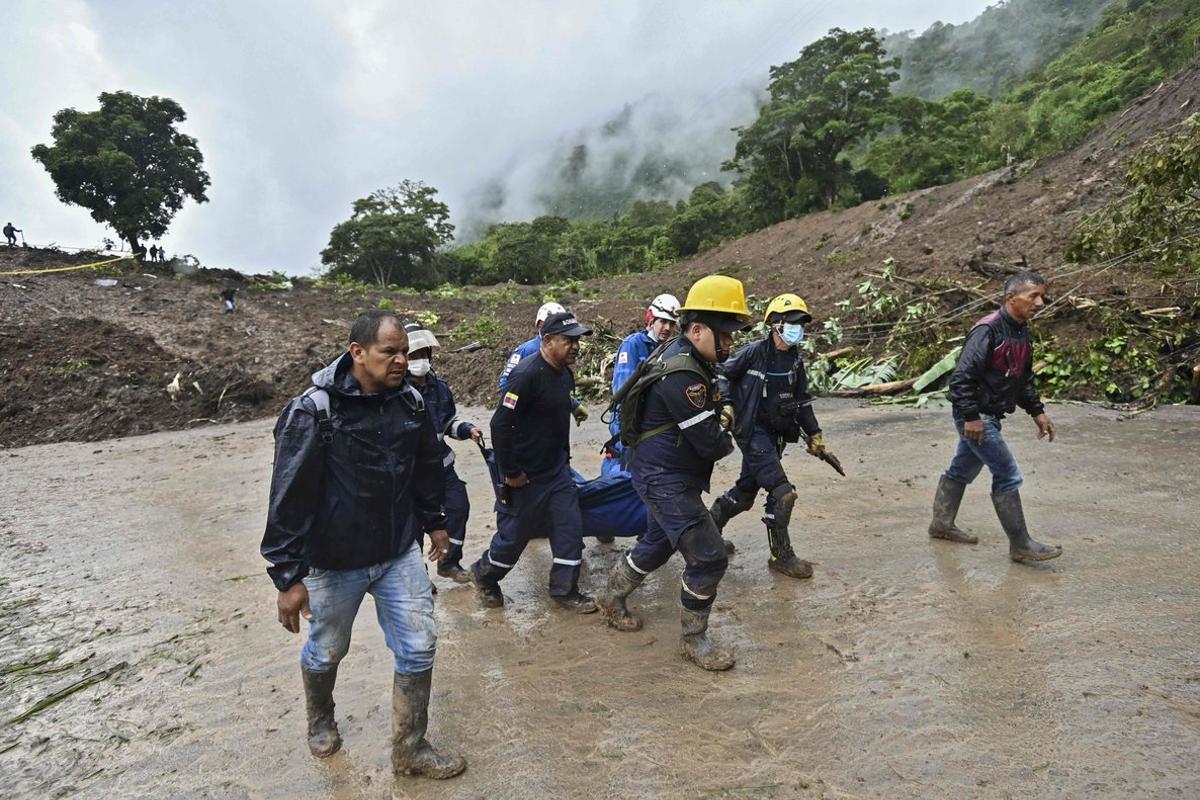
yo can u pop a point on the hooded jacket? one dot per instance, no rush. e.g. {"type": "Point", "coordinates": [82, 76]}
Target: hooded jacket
{"type": "Point", "coordinates": [743, 382]}
{"type": "Point", "coordinates": [994, 373]}
{"type": "Point", "coordinates": [364, 496]}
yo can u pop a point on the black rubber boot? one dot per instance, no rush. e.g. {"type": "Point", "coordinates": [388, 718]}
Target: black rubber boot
{"type": "Point", "coordinates": [696, 647]}
{"type": "Point", "coordinates": [576, 601]}
{"type": "Point", "coordinates": [487, 589]}
{"type": "Point", "coordinates": [411, 753]}
{"type": "Point", "coordinates": [1021, 546]}
{"type": "Point", "coordinates": [452, 570]}
{"type": "Point", "coordinates": [621, 582]}
{"type": "Point", "coordinates": [323, 737]}
{"type": "Point", "coordinates": [605, 539]}
{"type": "Point", "coordinates": [783, 559]}
{"type": "Point", "coordinates": [945, 508]}
{"type": "Point", "coordinates": [723, 509]}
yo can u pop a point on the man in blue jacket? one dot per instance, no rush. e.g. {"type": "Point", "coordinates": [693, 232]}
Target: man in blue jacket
{"type": "Point", "coordinates": [442, 411]}
{"type": "Point", "coordinates": [357, 481]}
{"type": "Point", "coordinates": [993, 376]}
{"type": "Point", "coordinates": [766, 383]}
{"type": "Point", "coordinates": [662, 317]}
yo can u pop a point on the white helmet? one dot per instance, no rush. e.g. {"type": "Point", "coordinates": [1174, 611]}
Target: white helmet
{"type": "Point", "coordinates": [419, 337]}
{"type": "Point", "coordinates": [547, 309]}
{"type": "Point", "coordinates": [665, 306]}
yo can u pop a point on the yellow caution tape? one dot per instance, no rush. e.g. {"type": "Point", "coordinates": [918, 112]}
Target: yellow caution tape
{"type": "Point", "coordinates": [66, 269]}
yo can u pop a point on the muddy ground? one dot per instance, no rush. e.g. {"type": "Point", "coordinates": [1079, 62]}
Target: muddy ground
{"type": "Point", "coordinates": [905, 669]}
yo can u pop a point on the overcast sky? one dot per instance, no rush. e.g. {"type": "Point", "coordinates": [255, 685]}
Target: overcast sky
{"type": "Point", "coordinates": [302, 106]}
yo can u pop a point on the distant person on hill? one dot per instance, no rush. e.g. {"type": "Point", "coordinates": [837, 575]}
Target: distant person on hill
{"type": "Point", "coordinates": [10, 233]}
{"type": "Point", "coordinates": [228, 295]}
{"type": "Point", "coordinates": [162, 254]}
{"type": "Point", "coordinates": [993, 376]}
{"type": "Point", "coordinates": [153, 253]}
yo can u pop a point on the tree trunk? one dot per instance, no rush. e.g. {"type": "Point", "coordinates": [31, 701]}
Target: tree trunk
{"type": "Point", "coordinates": [133, 243]}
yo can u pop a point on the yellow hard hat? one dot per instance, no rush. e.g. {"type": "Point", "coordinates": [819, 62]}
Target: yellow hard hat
{"type": "Point", "coordinates": [718, 294]}
{"type": "Point", "coordinates": [787, 305]}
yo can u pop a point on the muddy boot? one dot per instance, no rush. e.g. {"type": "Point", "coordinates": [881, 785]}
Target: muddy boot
{"type": "Point", "coordinates": [783, 559]}
{"type": "Point", "coordinates": [576, 601]}
{"type": "Point", "coordinates": [1021, 546]}
{"type": "Point", "coordinates": [452, 570]}
{"type": "Point", "coordinates": [487, 589]}
{"type": "Point", "coordinates": [723, 509]}
{"type": "Point", "coordinates": [323, 737]}
{"type": "Point", "coordinates": [945, 508]}
{"type": "Point", "coordinates": [696, 647]}
{"type": "Point", "coordinates": [411, 754]}
{"type": "Point", "coordinates": [621, 582]}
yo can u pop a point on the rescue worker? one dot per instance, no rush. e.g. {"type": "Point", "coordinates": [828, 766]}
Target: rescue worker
{"type": "Point", "coordinates": [681, 436]}
{"type": "Point", "coordinates": [531, 346]}
{"type": "Point", "coordinates": [768, 388]}
{"type": "Point", "coordinates": [661, 319]}
{"type": "Point", "coordinates": [10, 234]}
{"type": "Point", "coordinates": [531, 435]}
{"type": "Point", "coordinates": [993, 376]}
{"type": "Point", "coordinates": [357, 481]}
{"type": "Point", "coordinates": [439, 405]}
{"type": "Point", "coordinates": [153, 254]}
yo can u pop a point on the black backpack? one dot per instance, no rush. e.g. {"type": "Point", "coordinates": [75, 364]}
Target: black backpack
{"type": "Point", "coordinates": [629, 400]}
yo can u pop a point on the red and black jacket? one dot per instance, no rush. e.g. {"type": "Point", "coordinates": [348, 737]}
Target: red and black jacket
{"type": "Point", "coordinates": [994, 374]}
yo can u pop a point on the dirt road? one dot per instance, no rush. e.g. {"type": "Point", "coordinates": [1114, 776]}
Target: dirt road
{"type": "Point", "coordinates": [906, 668]}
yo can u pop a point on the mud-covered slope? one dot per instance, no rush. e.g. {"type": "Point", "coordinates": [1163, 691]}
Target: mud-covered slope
{"type": "Point", "coordinates": [80, 361]}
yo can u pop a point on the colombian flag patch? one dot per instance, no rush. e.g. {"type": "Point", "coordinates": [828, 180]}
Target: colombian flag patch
{"type": "Point", "coordinates": [510, 400]}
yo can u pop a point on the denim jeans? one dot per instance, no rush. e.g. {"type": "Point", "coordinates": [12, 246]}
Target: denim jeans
{"type": "Point", "coordinates": [403, 603]}
{"type": "Point", "coordinates": [972, 457]}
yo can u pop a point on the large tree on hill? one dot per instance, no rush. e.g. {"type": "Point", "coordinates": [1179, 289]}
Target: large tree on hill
{"type": "Point", "coordinates": [391, 236]}
{"type": "Point", "coordinates": [829, 99]}
{"type": "Point", "coordinates": [126, 163]}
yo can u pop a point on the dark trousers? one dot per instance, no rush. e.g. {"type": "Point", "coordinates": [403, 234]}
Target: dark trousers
{"type": "Point", "coordinates": [762, 467]}
{"type": "Point", "coordinates": [547, 505]}
{"type": "Point", "coordinates": [458, 510]}
{"type": "Point", "coordinates": [679, 520]}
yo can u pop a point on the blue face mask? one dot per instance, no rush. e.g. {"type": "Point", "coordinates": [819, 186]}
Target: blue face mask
{"type": "Point", "coordinates": [792, 334]}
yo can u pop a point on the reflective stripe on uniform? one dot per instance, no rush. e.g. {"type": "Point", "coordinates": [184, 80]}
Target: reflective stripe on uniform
{"type": "Point", "coordinates": [459, 542]}
{"type": "Point", "coordinates": [496, 563]}
{"type": "Point", "coordinates": [633, 566]}
{"type": "Point", "coordinates": [696, 420]}
{"type": "Point", "coordinates": [756, 374]}
{"type": "Point", "coordinates": [568, 562]}
{"type": "Point", "coordinates": [448, 460]}
{"type": "Point", "coordinates": [696, 595]}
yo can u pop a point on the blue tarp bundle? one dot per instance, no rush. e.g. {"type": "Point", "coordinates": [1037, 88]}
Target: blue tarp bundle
{"type": "Point", "coordinates": [609, 505]}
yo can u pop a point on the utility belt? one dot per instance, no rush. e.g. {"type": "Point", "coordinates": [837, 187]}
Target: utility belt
{"type": "Point", "coordinates": [785, 417]}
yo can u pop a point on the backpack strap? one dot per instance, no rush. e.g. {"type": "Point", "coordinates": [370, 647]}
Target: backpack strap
{"type": "Point", "coordinates": [320, 399]}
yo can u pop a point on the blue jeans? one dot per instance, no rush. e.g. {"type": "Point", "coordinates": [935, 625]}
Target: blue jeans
{"type": "Point", "coordinates": [972, 457]}
{"type": "Point", "coordinates": [403, 603]}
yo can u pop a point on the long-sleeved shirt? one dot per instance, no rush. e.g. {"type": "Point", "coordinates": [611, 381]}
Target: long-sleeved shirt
{"type": "Point", "coordinates": [994, 373]}
{"type": "Point", "coordinates": [531, 427]}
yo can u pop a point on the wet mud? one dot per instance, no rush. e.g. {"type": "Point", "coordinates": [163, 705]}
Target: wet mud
{"type": "Point", "coordinates": [140, 656]}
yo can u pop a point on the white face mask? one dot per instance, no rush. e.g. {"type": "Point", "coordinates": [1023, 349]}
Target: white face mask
{"type": "Point", "coordinates": [419, 367]}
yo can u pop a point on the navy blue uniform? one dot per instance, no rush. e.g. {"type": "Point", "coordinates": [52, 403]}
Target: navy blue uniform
{"type": "Point", "coordinates": [635, 348]}
{"type": "Point", "coordinates": [440, 406]}
{"type": "Point", "coordinates": [755, 380]}
{"type": "Point", "coordinates": [672, 469]}
{"type": "Point", "coordinates": [531, 434]}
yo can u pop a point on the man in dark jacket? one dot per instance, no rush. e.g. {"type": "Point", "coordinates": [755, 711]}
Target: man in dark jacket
{"type": "Point", "coordinates": [681, 437]}
{"type": "Point", "coordinates": [440, 406]}
{"type": "Point", "coordinates": [531, 434]}
{"type": "Point", "coordinates": [994, 375]}
{"type": "Point", "coordinates": [357, 479]}
{"type": "Point", "coordinates": [768, 387]}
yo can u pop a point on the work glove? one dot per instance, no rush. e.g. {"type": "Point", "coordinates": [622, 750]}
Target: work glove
{"type": "Point", "coordinates": [728, 419]}
{"type": "Point", "coordinates": [816, 444]}
{"type": "Point", "coordinates": [580, 414]}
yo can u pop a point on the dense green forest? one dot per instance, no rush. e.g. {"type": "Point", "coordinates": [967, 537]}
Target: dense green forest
{"type": "Point", "coordinates": [835, 131]}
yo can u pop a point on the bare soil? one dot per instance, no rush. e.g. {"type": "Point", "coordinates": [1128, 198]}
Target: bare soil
{"type": "Point", "coordinates": [85, 362]}
{"type": "Point", "coordinates": [906, 668]}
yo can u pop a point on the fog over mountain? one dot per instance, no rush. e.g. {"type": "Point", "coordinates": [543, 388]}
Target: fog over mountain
{"type": "Point", "coordinates": [510, 109]}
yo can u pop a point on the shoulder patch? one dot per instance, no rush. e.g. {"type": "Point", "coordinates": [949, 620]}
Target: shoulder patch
{"type": "Point", "coordinates": [696, 394]}
{"type": "Point", "coordinates": [514, 359]}
{"type": "Point", "coordinates": [623, 357]}
{"type": "Point", "coordinates": [510, 400]}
